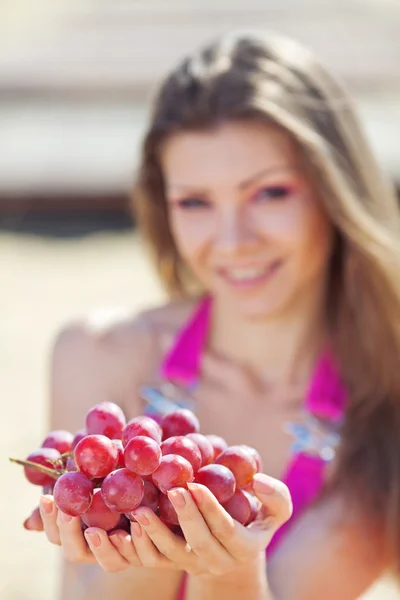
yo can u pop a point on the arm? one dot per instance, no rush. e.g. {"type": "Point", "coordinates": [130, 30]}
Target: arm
{"type": "Point", "coordinates": [88, 367]}
{"type": "Point", "coordinates": [329, 553]}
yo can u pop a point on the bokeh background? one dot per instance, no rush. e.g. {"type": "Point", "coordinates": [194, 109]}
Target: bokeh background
{"type": "Point", "coordinates": [76, 79]}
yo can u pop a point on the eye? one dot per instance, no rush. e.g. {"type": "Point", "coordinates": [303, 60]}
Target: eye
{"type": "Point", "coordinates": [273, 192]}
{"type": "Point", "coordinates": [193, 203]}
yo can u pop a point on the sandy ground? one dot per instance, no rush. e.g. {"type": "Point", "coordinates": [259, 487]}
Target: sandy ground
{"type": "Point", "coordinates": [43, 284]}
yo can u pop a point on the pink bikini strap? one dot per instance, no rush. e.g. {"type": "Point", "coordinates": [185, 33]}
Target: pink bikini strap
{"type": "Point", "coordinates": [183, 361]}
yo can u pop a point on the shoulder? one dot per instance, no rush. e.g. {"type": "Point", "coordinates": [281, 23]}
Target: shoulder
{"type": "Point", "coordinates": [113, 334]}
{"type": "Point", "coordinates": [107, 355]}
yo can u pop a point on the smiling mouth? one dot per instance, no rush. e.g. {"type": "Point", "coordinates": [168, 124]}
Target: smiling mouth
{"type": "Point", "coordinates": [250, 276]}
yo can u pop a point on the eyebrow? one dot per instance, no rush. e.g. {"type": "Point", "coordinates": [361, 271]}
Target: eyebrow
{"type": "Point", "coordinates": [242, 185]}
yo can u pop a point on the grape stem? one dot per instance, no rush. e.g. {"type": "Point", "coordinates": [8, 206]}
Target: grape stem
{"type": "Point", "coordinates": [54, 473]}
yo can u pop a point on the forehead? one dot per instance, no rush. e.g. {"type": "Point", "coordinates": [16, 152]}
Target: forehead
{"type": "Point", "coordinates": [227, 154]}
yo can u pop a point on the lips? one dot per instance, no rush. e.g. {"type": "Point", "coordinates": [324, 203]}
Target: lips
{"type": "Point", "coordinates": [249, 275]}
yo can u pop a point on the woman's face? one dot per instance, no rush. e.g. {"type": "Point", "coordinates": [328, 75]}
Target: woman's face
{"type": "Point", "coordinates": [245, 217]}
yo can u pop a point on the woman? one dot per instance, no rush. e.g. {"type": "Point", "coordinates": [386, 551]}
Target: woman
{"type": "Point", "coordinates": [277, 238]}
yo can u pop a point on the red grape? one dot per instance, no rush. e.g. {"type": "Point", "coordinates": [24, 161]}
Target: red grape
{"type": "Point", "coordinates": [96, 456]}
{"type": "Point", "coordinates": [218, 443]}
{"type": "Point", "coordinates": [143, 426]}
{"type": "Point", "coordinates": [73, 493]}
{"type": "Point", "coordinates": [241, 462]}
{"type": "Point", "coordinates": [167, 511]}
{"type": "Point", "coordinates": [174, 471]}
{"type": "Point", "coordinates": [48, 489]}
{"type": "Point", "coordinates": [78, 437]}
{"type": "Point", "coordinates": [45, 457]}
{"type": "Point", "coordinates": [59, 439]}
{"type": "Point", "coordinates": [256, 456]}
{"type": "Point", "coordinates": [122, 490]}
{"type": "Point", "coordinates": [240, 507]}
{"type": "Point", "coordinates": [183, 446]}
{"type": "Point", "coordinates": [179, 422]}
{"type": "Point", "coordinates": [71, 464]}
{"type": "Point", "coordinates": [151, 496]}
{"type": "Point", "coordinates": [99, 515]}
{"type": "Point", "coordinates": [106, 419]}
{"type": "Point", "coordinates": [142, 455]}
{"type": "Point", "coordinates": [219, 480]}
{"type": "Point", "coordinates": [120, 448]}
{"type": "Point", "coordinates": [205, 447]}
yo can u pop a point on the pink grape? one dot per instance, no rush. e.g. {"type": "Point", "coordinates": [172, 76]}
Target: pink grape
{"type": "Point", "coordinates": [167, 511]}
{"type": "Point", "coordinates": [142, 426]}
{"type": "Point", "coordinates": [218, 443]}
{"type": "Point", "coordinates": [205, 447]}
{"type": "Point", "coordinates": [78, 437]}
{"type": "Point", "coordinates": [45, 457]}
{"type": "Point", "coordinates": [240, 507]}
{"type": "Point", "coordinates": [241, 462]}
{"type": "Point", "coordinates": [106, 418]}
{"type": "Point", "coordinates": [122, 490]}
{"type": "Point", "coordinates": [256, 456]}
{"type": "Point", "coordinates": [174, 471]}
{"type": "Point", "coordinates": [142, 455]}
{"type": "Point", "coordinates": [73, 493]}
{"type": "Point", "coordinates": [120, 448]}
{"type": "Point", "coordinates": [59, 439]}
{"type": "Point", "coordinates": [183, 446]}
{"type": "Point", "coordinates": [219, 480]}
{"type": "Point", "coordinates": [71, 464]}
{"type": "Point", "coordinates": [150, 496]}
{"type": "Point", "coordinates": [96, 456]}
{"type": "Point", "coordinates": [179, 422]}
{"type": "Point", "coordinates": [99, 515]}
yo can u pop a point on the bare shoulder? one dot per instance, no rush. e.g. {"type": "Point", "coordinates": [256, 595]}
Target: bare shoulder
{"type": "Point", "coordinates": [107, 355]}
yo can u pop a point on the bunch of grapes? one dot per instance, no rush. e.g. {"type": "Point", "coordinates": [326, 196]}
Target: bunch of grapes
{"type": "Point", "coordinates": [110, 468]}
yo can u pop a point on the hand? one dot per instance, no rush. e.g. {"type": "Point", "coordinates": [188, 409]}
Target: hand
{"type": "Point", "coordinates": [214, 543]}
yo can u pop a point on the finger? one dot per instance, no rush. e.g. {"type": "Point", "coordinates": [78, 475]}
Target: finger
{"type": "Point", "coordinates": [48, 513]}
{"type": "Point", "coordinates": [146, 525]}
{"type": "Point", "coordinates": [72, 540]}
{"type": "Point", "coordinates": [229, 533]}
{"type": "Point", "coordinates": [277, 507]}
{"type": "Point", "coordinates": [197, 532]}
{"type": "Point", "coordinates": [170, 546]}
{"type": "Point", "coordinates": [122, 541]}
{"type": "Point", "coordinates": [104, 551]}
{"type": "Point", "coordinates": [34, 522]}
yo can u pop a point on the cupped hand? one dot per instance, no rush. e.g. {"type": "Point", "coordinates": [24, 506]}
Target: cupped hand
{"type": "Point", "coordinates": [213, 542]}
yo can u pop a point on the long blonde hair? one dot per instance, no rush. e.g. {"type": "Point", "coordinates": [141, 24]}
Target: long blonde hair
{"type": "Point", "coordinates": [275, 80]}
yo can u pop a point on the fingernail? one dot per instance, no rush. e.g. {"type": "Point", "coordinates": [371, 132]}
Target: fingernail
{"type": "Point", "coordinates": [177, 498]}
{"type": "Point", "coordinates": [263, 484]}
{"type": "Point", "coordinates": [46, 505]}
{"type": "Point", "coordinates": [196, 492]}
{"type": "Point", "coordinates": [93, 539]}
{"type": "Point", "coordinates": [64, 518]}
{"type": "Point", "coordinates": [26, 524]}
{"type": "Point", "coordinates": [136, 530]}
{"type": "Point", "coordinates": [143, 520]}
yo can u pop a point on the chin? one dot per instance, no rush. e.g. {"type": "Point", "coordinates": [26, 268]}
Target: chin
{"type": "Point", "coordinates": [259, 309]}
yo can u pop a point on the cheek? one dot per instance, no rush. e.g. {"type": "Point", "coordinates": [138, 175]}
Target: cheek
{"type": "Point", "coordinates": [191, 233]}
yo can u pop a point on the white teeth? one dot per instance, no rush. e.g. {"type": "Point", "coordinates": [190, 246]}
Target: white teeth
{"type": "Point", "coordinates": [246, 274]}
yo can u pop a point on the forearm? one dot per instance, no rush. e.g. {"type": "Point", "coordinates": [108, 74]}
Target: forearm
{"type": "Point", "coordinates": [249, 581]}
{"type": "Point", "coordinates": [89, 582]}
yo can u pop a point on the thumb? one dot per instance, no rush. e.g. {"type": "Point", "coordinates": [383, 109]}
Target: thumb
{"type": "Point", "coordinates": [34, 522]}
{"type": "Point", "coordinates": [277, 507]}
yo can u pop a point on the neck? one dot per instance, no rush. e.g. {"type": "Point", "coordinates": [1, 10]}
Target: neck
{"type": "Point", "coordinates": [282, 347]}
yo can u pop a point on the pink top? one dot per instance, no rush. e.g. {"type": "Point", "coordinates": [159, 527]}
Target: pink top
{"type": "Point", "coordinates": [326, 399]}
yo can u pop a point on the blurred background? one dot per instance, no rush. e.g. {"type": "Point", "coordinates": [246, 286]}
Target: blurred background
{"type": "Point", "coordinates": [76, 79]}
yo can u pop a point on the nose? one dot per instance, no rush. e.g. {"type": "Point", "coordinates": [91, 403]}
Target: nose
{"type": "Point", "coordinates": [234, 232]}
